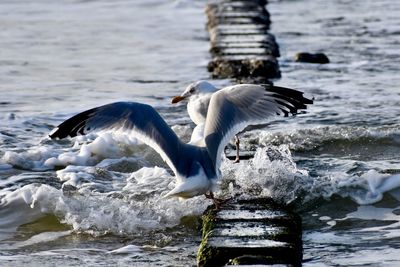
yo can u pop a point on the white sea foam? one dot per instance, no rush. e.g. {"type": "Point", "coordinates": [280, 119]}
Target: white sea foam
{"type": "Point", "coordinates": [126, 250]}
{"type": "Point", "coordinates": [271, 173]}
{"type": "Point", "coordinates": [137, 206]}
{"type": "Point", "coordinates": [31, 159]}
{"type": "Point", "coordinates": [379, 184]}
{"type": "Point", "coordinates": [85, 150]}
{"type": "Point", "coordinates": [367, 188]}
{"type": "Point", "coordinates": [41, 238]}
{"type": "Point", "coordinates": [24, 205]}
{"type": "Point", "coordinates": [105, 145]}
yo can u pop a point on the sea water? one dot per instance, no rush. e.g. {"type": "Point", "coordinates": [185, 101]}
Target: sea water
{"type": "Point", "coordinates": [97, 199]}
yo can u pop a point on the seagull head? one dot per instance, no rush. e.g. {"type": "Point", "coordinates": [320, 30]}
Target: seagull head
{"type": "Point", "coordinates": [196, 88]}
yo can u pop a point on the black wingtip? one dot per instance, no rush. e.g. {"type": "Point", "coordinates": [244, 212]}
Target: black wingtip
{"type": "Point", "coordinates": [72, 126]}
{"type": "Point", "coordinates": [292, 99]}
{"type": "Point", "coordinates": [58, 133]}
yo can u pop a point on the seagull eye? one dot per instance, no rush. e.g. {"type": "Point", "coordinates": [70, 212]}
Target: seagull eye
{"type": "Point", "coordinates": [191, 90]}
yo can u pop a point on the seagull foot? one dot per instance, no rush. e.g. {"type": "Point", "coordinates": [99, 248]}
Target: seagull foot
{"type": "Point", "coordinates": [218, 202]}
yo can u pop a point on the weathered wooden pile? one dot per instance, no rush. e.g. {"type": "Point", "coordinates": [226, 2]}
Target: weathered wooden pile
{"type": "Point", "coordinates": [258, 231]}
{"type": "Point", "coordinates": [241, 46]}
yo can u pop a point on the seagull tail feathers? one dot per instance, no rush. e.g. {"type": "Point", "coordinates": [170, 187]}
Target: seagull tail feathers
{"type": "Point", "coordinates": [178, 191]}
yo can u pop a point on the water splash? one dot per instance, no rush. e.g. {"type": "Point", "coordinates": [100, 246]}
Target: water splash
{"type": "Point", "coordinates": [136, 206]}
{"type": "Point", "coordinates": [271, 173]}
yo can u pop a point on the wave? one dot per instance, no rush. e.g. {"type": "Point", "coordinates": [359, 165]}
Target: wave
{"type": "Point", "coordinates": [127, 205]}
{"type": "Point", "coordinates": [109, 183]}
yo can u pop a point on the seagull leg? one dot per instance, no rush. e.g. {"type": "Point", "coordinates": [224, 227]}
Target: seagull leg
{"type": "Point", "coordinates": [216, 201]}
{"type": "Point", "coordinates": [237, 142]}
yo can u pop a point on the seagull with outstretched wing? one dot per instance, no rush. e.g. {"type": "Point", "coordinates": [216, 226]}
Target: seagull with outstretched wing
{"type": "Point", "coordinates": [196, 166]}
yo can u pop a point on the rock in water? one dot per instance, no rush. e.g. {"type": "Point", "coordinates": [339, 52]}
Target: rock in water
{"type": "Point", "coordinates": [319, 58]}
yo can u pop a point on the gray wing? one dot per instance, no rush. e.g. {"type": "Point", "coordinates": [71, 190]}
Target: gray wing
{"type": "Point", "coordinates": [142, 120]}
{"type": "Point", "coordinates": [233, 108]}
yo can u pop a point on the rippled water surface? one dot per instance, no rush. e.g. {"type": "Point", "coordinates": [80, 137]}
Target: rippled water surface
{"type": "Point", "coordinates": [96, 200]}
{"type": "Point", "coordinates": [352, 141]}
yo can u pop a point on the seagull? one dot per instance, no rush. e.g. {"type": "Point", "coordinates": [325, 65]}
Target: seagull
{"type": "Point", "coordinates": [199, 95]}
{"type": "Point", "coordinates": [196, 167]}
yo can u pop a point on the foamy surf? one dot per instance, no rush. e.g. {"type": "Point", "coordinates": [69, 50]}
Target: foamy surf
{"type": "Point", "coordinates": [271, 173]}
{"type": "Point", "coordinates": [106, 189]}
{"type": "Point", "coordinates": [137, 206]}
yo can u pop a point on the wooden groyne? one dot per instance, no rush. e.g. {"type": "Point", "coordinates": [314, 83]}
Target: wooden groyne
{"type": "Point", "coordinates": [241, 46]}
{"type": "Point", "coordinates": [256, 231]}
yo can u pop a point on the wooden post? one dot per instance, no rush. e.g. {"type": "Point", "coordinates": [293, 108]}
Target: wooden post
{"type": "Point", "coordinates": [258, 231]}
{"type": "Point", "coordinates": [241, 46]}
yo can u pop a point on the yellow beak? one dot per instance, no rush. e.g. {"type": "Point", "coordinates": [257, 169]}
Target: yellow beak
{"type": "Point", "coordinates": [177, 99]}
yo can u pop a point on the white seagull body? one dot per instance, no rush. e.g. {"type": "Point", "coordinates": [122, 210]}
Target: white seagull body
{"type": "Point", "coordinates": [199, 96]}
{"type": "Point", "coordinates": [196, 166]}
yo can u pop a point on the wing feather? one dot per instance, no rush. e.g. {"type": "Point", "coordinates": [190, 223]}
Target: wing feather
{"type": "Point", "coordinates": [141, 120]}
{"type": "Point", "coordinates": [234, 108]}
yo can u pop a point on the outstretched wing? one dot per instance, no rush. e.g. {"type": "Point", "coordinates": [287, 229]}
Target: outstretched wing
{"type": "Point", "coordinates": [233, 108]}
{"type": "Point", "coordinates": [141, 120]}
